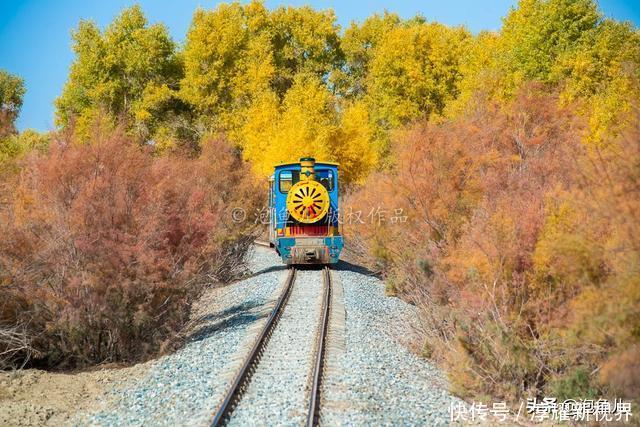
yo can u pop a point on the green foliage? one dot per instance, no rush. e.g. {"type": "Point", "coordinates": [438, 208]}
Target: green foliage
{"type": "Point", "coordinates": [128, 71]}
{"type": "Point", "coordinates": [577, 384]}
{"type": "Point", "coordinates": [536, 33]}
{"type": "Point", "coordinates": [11, 93]}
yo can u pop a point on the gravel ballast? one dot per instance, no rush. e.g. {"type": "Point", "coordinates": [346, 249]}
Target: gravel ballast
{"type": "Point", "coordinates": [184, 388]}
{"type": "Point", "coordinates": [279, 389]}
{"type": "Point", "coordinates": [372, 378]}
{"type": "Point", "coordinates": [376, 380]}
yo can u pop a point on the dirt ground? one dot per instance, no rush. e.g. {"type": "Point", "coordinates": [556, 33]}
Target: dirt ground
{"type": "Point", "coordinates": [32, 397]}
{"type": "Point", "coordinates": [35, 398]}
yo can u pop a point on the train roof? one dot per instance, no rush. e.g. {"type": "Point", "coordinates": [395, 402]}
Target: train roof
{"type": "Point", "coordinates": [278, 165]}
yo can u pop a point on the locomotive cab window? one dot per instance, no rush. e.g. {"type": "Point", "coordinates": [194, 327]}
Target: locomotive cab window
{"type": "Point", "coordinates": [325, 177]}
{"type": "Point", "coordinates": [287, 179]}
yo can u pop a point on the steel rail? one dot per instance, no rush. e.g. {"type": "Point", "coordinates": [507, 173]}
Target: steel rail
{"type": "Point", "coordinates": [314, 401]}
{"type": "Point", "coordinates": [261, 242]}
{"type": "Point", "coordinates": [248, 367]}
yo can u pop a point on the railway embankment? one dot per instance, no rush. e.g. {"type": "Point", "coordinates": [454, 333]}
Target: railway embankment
{"type": "Point", "coordinates": [371, 375]}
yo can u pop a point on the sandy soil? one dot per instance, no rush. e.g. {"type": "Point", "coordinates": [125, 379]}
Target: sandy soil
{"type": "Point", "coordinates": [34, 398]}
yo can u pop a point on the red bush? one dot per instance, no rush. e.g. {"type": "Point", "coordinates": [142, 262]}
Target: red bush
{"type": "Point", "coordinates": [104, 246]}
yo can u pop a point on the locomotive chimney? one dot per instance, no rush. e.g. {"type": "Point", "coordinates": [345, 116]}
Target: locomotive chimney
{"type": "Point", "coordinates": [307, 172]}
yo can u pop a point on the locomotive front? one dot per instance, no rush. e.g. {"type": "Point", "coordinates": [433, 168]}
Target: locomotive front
{"type": "Point", "coordinates": [303, 200]}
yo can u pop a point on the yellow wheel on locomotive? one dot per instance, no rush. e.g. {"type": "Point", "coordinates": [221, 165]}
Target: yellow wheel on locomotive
{"type": "Point", "coordinates": [308, 201]}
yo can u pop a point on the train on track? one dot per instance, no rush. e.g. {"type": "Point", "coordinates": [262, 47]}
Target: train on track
{"type": "Point", "coordinates": [303, 206]}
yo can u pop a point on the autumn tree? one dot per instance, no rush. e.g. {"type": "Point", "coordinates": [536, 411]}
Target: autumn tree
{"type": "Point", "coordinates": [414, 72]}
{"type": "Point", "coordinates": [216, 43]}
{"type": "Point", "coordinates": [604, 70]}
{"type": "Point", "coordinates": [240, 62]}
{"type": "Point", "coordinates": [130, 71]}
{"type": "Point", "coordinates": [538, 32]}
{"type": "Point", "coordinates": [564, 44]}
{"type": "Point", "coordinates": [11, 93]}
{"type": "Point", "coordinates": [262, 77]}
{"type": "Point", "coordinates": [513, 154]}
{"type": "Point", "coordinates": [307, 116]}
{"type": "Point", "coordinates": [358, 44]}
{"type": "Point", "coordinates": [235, 52]}
{"type": "Point", "coordinates": [402, 69]}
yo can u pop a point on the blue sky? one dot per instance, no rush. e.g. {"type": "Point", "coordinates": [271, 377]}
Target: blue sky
{"type": "Point", "coordinates": [35, 40]}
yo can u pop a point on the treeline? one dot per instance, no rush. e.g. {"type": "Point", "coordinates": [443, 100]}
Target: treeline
{"type": "Point", "coordinates": [511, 153]}
{"type": "Point", "coordinates": [12, 144]}
{"type": "Point", "coordinates": [266, 77]}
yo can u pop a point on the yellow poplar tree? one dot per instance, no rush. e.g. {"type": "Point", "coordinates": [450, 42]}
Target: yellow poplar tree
{"type": "Point", "coordinates": [304, 125]}
{"type": "Point", "coordinates": [354, 148]}
{"type": "Point", "coordinates": [413, 73]}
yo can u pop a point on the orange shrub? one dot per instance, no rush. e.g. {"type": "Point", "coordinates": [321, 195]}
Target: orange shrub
{"type": "Point", "coordinates": [104, 246]}
{"type": "Point", "coordinates": [521, 245]}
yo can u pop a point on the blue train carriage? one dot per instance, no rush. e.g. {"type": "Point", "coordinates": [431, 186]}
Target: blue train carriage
{"type": "Point", "coordinates": [303, 203]}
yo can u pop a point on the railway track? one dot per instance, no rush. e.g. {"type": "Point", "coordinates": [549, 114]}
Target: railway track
{"type": "Point", "coordinates": [243, 377]}
{"type": "Point", "coordinates": [261, 242]}
{"type": "Point", "coordinates": [314, 402]}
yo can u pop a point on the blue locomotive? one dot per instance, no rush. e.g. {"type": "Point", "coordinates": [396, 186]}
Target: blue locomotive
{"type": "Point", "coordinates": [303, 205]}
